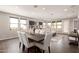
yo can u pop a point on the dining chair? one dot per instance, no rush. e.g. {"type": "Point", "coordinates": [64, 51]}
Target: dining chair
{"type": "Point", "coordinates": [45, 45]}
{"type": "Point", "coordinates": [25, 41]}
{"type": "Point", "coordinates": [73, 41]}
{"type": "Point", "coordinates": [71, 38]}
{"type": "Point", "coordinates": [20, 40]}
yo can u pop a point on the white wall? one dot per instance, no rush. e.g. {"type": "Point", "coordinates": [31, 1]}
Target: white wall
{"type": "Point", "coordinates": [65, 26]}
{"type": "Point", "coordinates": [71, 25]}
{"type": "Point", "coordinates": [5, 32]}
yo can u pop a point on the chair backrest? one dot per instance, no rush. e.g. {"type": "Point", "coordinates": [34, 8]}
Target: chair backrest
{"type": "Point", "coordinates": [71, 38]}
{"type": "Point", "coordinates": [19, 36]}
{"type": "Point", "coordinates": [48, 37]}
{"type": "Point", "coordinates": [78, 31]}
{"type": "Point", "coordinates": [25, 39]}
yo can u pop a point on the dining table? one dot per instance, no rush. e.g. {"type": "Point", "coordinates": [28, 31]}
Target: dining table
{"type": "Point", "coordinates": [36, 36]}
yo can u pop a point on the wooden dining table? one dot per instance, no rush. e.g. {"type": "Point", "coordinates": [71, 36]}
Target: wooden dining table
{"type": "Point", "coordinates": [36, 36]}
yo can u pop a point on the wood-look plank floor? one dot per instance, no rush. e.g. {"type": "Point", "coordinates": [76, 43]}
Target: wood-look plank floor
{"type": "Point", "coordinates": [59, 46]}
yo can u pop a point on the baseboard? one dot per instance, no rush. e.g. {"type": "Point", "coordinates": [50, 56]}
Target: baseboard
{"type": "Point", "coordinates": [9, 38]}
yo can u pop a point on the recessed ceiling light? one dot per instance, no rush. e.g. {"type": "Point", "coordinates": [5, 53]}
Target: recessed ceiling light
{"type": "Point", "coordinates": [65, 9]}
{"type": "Point", "coordinates": [43, 8]}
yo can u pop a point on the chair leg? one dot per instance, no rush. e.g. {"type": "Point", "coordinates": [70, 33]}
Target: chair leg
{"type": "Point", "coordinates": [27, 50]}
{"type": "Point", "coordinates": [43, 51]}
{"type": "Point", "coordinates": [49, 49]}
{"type": "Point", "coordinates": [23, 48]}
{"type": "Point", "coordinates": [19, 44]}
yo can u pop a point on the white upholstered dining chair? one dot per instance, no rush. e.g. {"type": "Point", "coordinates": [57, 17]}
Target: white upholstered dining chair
{"type": "Point", "coordinates": [20, 40]}
{"type": "Point", "coordinates": [45, 45]}
{"type": "Point", "coordinates": [24, 42]}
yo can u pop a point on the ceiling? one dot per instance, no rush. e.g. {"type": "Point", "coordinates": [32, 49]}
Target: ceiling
{"type": "Point", "coordinates": [45, 12]}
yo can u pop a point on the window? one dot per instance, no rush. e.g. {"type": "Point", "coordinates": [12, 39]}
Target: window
{"type": "Point", "coordinates": [49, 24]}
{"type": "Point", "coordinates": [59, 25]}
{"type": "Point", "coordinates": [56, 25]}
{"type": "Point", "coordinates": [23, 24]}
{"type": "Point", "coordinates": [44, 25]}
{"type": "Point", "coordinates": [14, 23]}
